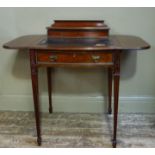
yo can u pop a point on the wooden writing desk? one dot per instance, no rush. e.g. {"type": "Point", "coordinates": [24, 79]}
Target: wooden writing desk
{"type": "Point", "coordinates": [77, 44]}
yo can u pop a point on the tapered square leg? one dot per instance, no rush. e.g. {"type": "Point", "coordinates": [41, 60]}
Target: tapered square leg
{"type": "Point", "coordinates": [116, 98]}
{"type": "Point", "coordinates": [109, 90]}
{"type": "Point", "coordinates": [49, 81]}
{"type": "Point", "coordinates": [116, 95]}
{"type": "Point", "coordinates": [34, 78]}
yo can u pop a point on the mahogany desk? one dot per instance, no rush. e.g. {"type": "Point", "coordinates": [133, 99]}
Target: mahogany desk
{"type": "Point", "coordinates": [76, 52]}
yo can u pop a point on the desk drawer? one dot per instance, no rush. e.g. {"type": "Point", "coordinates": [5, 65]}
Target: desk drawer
{"type": "Point", "coordinates": [49, 57]}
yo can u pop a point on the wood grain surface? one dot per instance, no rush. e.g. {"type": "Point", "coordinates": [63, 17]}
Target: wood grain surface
{"type": "Point", "coordinates": [74, 58]}
{"type": "Point", "coordinates": [118, 42]}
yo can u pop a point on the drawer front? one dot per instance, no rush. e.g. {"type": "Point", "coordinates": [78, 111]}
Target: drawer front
{"type": "Point", "coordinates": [50, 57]}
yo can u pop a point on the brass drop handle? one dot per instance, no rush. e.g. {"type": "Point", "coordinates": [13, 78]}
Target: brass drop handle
{"type": "Point", "coordinates": [96, 58]}
{"type": "Point", "coordinates": [53, 58]}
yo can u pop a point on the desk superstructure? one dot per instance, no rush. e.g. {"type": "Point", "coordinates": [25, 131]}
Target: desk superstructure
{"type": "Point", "coordinates": [70, 43]}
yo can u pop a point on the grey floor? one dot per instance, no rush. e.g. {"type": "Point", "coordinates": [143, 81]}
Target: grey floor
{"type": "Point", "coordinates": [17, 129]}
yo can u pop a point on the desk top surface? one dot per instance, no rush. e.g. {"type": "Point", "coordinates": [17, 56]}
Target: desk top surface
{"type": "Point", "coordinates": [114, 42]}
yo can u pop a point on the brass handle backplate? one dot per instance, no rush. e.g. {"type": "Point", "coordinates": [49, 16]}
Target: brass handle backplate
{"type": "Point", "coordinates": [96, 58]}
{"type": "Point", "coordinates": [53, 58]}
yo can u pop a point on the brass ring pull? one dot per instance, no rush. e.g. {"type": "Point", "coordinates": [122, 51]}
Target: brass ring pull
{"type": "Point", "coordinates": [96, 58]}
{"type": "Point", "coordinates": [53, 58]}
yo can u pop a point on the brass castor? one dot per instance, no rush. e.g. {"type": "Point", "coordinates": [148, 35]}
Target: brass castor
{"type": "Point", "coordinates": [39, 141]}
{"type": "Point", "coordinates": [114, 143]}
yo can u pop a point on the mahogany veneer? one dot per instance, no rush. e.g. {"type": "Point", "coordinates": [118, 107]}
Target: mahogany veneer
{"type": "Point", "coordinates": [62, 57]}
{"type": "Point", "coordinates": [77, 44]}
